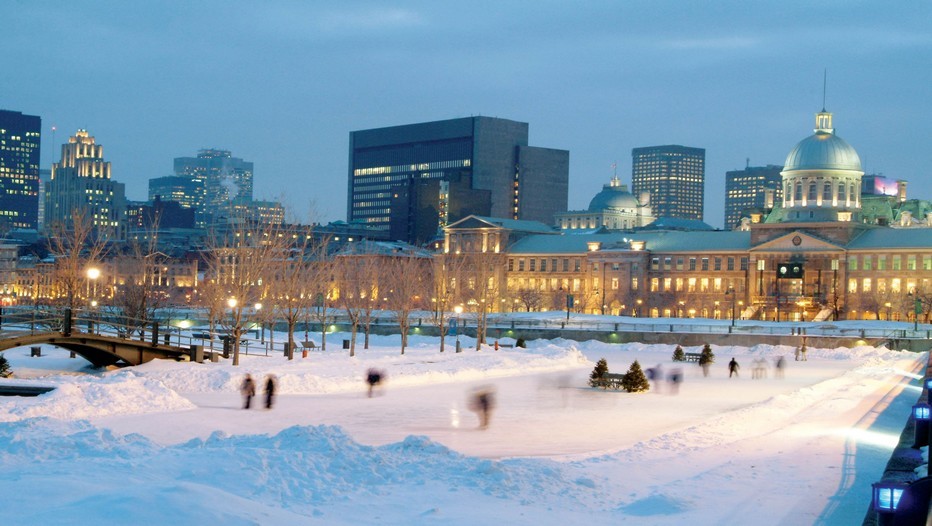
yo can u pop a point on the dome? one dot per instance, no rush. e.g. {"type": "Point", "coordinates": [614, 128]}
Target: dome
{"type": "Point", "coordinates": [613, 197]}
{"type": "Point", "coordinates": [823, 150]}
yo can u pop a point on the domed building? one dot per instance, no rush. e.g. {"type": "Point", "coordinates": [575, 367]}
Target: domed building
{"type": "Point", "coordinates": [821, 178]}
{"type": "Point", "coordinates": [614, 208]}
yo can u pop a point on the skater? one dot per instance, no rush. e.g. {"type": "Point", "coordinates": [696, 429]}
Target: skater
{"type": "Point", "coordinates": [269, 391]}
{"type": "Point", "coordinates": [655, 375]}
{"type": "Point", "coordinates": [483, 402]}
{"type": "Point", "coordinates": [733, 368]}
{"type": "Point", "coordinates": [779, 367]}
{"type": "Point", "coordinates": [676, 377]}
{"type": "Point", "coordinates": [249, 390]}
{"type": "Point", "coordinates": [374, 378]}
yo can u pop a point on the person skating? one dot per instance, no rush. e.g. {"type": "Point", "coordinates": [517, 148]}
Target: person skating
{"type": "Point", "coordinates": [249, 390]}
{"type": "Point", "coordinates": [269, 391]}
{"type": "Point", "coordinates": [733, 368]}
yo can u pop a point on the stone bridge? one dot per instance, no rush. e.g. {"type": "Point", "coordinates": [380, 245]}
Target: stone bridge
{"type": "Point", "coordinates": [100, 349]}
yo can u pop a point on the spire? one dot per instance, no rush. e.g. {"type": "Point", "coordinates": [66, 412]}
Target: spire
{"type": "Point", "coordinates": [823, 120]}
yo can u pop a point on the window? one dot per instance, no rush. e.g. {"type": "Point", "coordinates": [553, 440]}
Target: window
{"type": "Point", "coordinates": [667, 284]}
{"type": "Point", "coordinates": [576, 265]}
{"type": "Point", "coordinates": [655, 263]}
{"type": "Point", "coordinates": [614, 283]}
{"type": "Point", "coordinates": [926, 262]}
{"type": "Point", "coordinates": [692, 263]}
{"type": "Point", "coordinates": [867, 263]}
{"type": "Point", "coordinates": [691, 285]}
{"type": "Point", "coordinates": [543, 265]}
{"type": "Point", "coordinates": [718, 263]}
{"type": "Point", "coordinates": [533, 264]}
{"type": "Point", "coordinates": [841, 192]}
{"type": "Point", "coordinates": [866, 285]}
{"type": "Point", "coordinates": [896, 262]}
{"type": "Point", "coordinates": [798, 195]}
{"type": "Point", "coordinates": [679, 263]}
{"type": "Point", "coordinates": [744, 263]}
{"type": "Point", "coordinates": [852, 285]}
{"type": "Point", "coordinates": [853, 263]}
{"type": "Point", "coordinates": [704, 285]}
{"type": "Point", "coordinates": [881, 264]}
{"type": "Point", "coordinates": [553, 265]}
{"type": "Point", "coordinates": [678, 284]}
{"type": "Point", "coordinates": [521, 265]}
{"type": "Point", "coordinates": [731, 263]}
{"type": "Point", "coordinates": [566, 265]}
{"type": "Point", "coordinates": [654, 284]}
{"type": "Point", "coordinates": [827, 193]}
{"type": "Point", "coordinates": [705, 263]}
{"type": "Point", "coordinates": [811, 196]}
{"type": "Point", "coordinates": [511, 264]}
{"type": "Point", "coordinates": [667, 263]}
{"type": "Point", "coordinates": [911, 262]}
{"type": "Point", "coordinates": [634, 284]}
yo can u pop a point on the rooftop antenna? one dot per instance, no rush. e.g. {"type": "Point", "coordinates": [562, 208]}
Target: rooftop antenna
{"type": "Point", "coordinates": [824, 83]}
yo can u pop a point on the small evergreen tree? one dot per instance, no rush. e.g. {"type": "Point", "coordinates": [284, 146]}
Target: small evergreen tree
{"type": "Point", "coordinates": [601, 367]}
{"type": "Point", "coordinates": [5, 371]}
{"type": "Point", "coordinates": [678, 355]}
{"type": "Point", "coordinates": [635, 381]}
{"type": "Point", "coordinates": [706, 356]}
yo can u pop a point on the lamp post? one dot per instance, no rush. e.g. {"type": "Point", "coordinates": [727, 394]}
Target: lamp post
{"type": "Point", "coordinates": [921, 414]}
{"type": "Point", "coordinates": [834, 289]}
{"type": "Point", "coordinates": [92, 274]}
{"type": "Point", "coordinates": [731, 292]}
{"type": "Point", "coordinates": [456, 321]}
{"type": "Point", "coordinates": [887, 305]}
{"type": "Point", "coordinates": [885, 499]}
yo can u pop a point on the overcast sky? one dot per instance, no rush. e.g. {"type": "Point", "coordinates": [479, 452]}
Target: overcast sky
{"type": "Point", "coordinates": [282, 83]}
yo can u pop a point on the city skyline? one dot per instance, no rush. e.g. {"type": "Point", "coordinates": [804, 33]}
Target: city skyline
{"type": "Point", "coordinates": [283, 84]}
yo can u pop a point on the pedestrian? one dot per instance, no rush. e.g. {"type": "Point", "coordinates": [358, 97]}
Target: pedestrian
{"type": "Point", "coordinates": [733, 368]}
{"type": "Point", "coordinates": [374, 378]}
{"type": "Point", "coordinates": [655, 375]}
{"type": "Point", "coordinates": [676, 377]}
{"type": "Point", "coordinates": [249, 390]}
{"type": "Point", "coordinates": [779, 367]}
{"type": "Point", "coordinates": [269, 391]}
{"type": "Point", "coordinates": [802, 352]}
{"type": "Point", "coordinates": [797, 354]}
{"type": "Point", "coordinates": [483, 402]}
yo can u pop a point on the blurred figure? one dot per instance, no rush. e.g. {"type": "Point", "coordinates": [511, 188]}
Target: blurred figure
{"type": "Point", "coordinates": [705, 368]}
{"type": "Point", "coordinates": [675, 378]}
{"type": "Point", "coordinates": [760, 368]}
{"type": "Point", "coordinates": [269, 391]}
{"type": "Point", "coordinates": [655, 375]}
{"type": "Point", "coordinates": [779, 367]}
{"type": "Point", "coordinates": [482, 403]}
{"type": "Point", "coordinates": [797, 354]}
{"type": "Point", "coordinates": [248, 388]}
{"type": "Point", "coordinates": [733, 368]}
{"type": "Point", "coordinates": [374, 378]}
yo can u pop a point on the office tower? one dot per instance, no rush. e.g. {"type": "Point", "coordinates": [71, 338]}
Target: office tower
{"type": "Point", "coordinates": [754, 188]}
{"type": "Point", "coordinates": [220, 177]}
{"type": "Point", "coordinates": [186, 191]}
{"type": "Point", "coordinates": [19, 170]}
{"type": "Point", "coordinates": [409, 181]}
{"type": "Point", "coordinates": [81, 182]}
{"type": "Point", "coordinates": [674, 176]}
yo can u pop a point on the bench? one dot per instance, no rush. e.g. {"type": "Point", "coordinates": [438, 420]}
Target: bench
{"type": "Point", "coordinates": [610, 380]}
{"type": "Point", "coordinates": [202, 335]}
{"type": "Point", "coordinates": [691, 357]}
{"type": "Point", "coordinates": [506, 345]}
{"type": "Point", "coordinates": [308, 345]}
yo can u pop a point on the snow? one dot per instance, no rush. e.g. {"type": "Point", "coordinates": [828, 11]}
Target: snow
{"type": "Point", "coordinates": [168, 442]}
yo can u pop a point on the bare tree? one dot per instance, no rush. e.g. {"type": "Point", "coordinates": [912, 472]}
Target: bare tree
{"type": "Point", "coordinates": [240, 261]}
{"type": "Point", "coordinates": [529, 298]}
{"type": "Point", "coordinates": [76, 250]}
{"type": "Point", "coordinates": [289, 291]}
{"type": "Point", "coordinates": [143, 290]}
{"type": "Point", "coordinates": [358, 276]}
{"type": "Point", "coordinates": [446, 272]}
{"type": "Point", "coordinates": [322, 286]}
{"type": "Point", "coordinates": [482, 287]}
{"type": "Point", "coordinates": [408, 287]}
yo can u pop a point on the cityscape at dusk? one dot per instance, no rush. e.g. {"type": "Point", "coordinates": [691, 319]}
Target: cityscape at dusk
{"type": "Point", "coordinates": [460, 263]}
{"type": "Point", "coordinates": [284, 84]}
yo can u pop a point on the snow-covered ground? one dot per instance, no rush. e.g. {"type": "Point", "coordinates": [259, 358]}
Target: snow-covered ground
{"type": "Point", "coordinates": [168, 442]}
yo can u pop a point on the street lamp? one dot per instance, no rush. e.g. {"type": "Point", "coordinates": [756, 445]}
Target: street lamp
{"type": "Point", "coordinates": [921, 414]}
{"type": "Point", "coordinates": [92, 274]}
{"type": "Point", "coordinates": [456, 321]}
{"type": "Point", "coordinates": [887, 305]}
{"type": "Point", "coordinates": [886, 497]}
{"type": "Point", "coordinates": [731, 292]}
{"type": "Point", "coordinates": [917, 307]}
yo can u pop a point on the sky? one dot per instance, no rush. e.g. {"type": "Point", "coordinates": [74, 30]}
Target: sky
{"type": "Point", "coordinates": [168, 442]}
{"type": "Point", "coordinates": [283, 83]}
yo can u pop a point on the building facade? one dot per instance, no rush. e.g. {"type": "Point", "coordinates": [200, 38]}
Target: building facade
{"type": "Point", "coordinates": [613, 208]}
{"type": "Point", "coordinates": [218, 178]}
{"type": "Point", "coordinates": [674, 176]}
{"type": "Point", "coordinates": [409, 181]}
{"type": "Point", "coordinates": [188, 192]}
{"type": "Point", "coordinates": [20, 141]}
{"type": "Point", "coordinates": [756, 188]}
{"type": "Point", "coordinates": [81, 181]}
{"type": "Point", "coordinates": [811, 258]}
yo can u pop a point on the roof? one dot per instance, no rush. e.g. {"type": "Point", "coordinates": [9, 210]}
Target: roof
{"type": "Point", "coordinates": [518, 225]}
{"type": "Point", "coordinates": [677, 223]}
{"type": "Point", "coordinates": [879, 238]}
{"type": "Point", "coordinates": [822, 151]}
{"type": "Point", "coordinates": [656, 241]}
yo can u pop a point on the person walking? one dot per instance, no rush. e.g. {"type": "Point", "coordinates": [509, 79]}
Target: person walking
{"type": "Point", "coordinates": [733, 368]}
{"type": "Point", "coordinates": [373, 379]}
{"type": "Point", "coordinates": [483, 402]}
{"type": "Point", "coordinates": [269, 391]}
{"type": "Point", "coordinates": [248, 388]}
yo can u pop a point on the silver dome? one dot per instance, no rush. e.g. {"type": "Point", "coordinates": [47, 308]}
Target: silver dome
{"type": "Point", "coordinates": [822, 151]}
{"type": "Point", "coordinates": [613, 197]}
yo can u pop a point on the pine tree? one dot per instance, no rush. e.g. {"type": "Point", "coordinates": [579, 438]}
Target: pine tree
{"type": "Point", "coordinates": [5, 371]}
{"type": "Point", "coordinates": [706, 356]}
{"type": "Point", "coordinates": [678, 355]}
{"type": "Point", "coordinates": [635, 381]}
{"type": "Point", "coordinates": [601, 367]}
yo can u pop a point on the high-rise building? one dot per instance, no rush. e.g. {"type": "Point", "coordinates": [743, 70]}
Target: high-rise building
{"type": "Point", "coordinates": [409, 181]}
{"type": "Point", "coordinates": [674, 176]}
{"type": "Point", "coordinates": [186, 191]}
{"type": "Point", "coordinates": [219, 178]}
{"type": "Point", "coordinates": [81, 182]}
{"type": "Point", "coordinates": [754, 188]}
{"type": "Point", "coordinates": [19, 170]}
